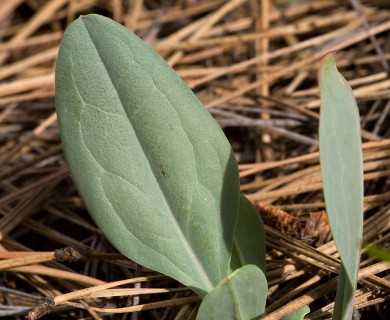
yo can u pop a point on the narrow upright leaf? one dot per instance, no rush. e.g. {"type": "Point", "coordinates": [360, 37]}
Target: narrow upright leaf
{"type": "Point", "coordinates": [342, 175]}
{"type": "Point", "coordinates": [241, 296]}
{"type": "Point", "coordinates": [154, 169]}
{"type": "Point", "coordinates": [249, 237]}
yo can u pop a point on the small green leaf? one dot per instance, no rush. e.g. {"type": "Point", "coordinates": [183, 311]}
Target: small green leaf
{"type": "Point", "coordinates": [241, 296]}
{"type": "Point", "coordinates": [249, 237]}
{"type": "Point", "coordinates": [379, 252]}
{"type": "Point", "coordinates": [297, 314]}
{"type": "Point", "coordinates": [153, 167]}
{"type": "Point", "coordinates": [342, 175]}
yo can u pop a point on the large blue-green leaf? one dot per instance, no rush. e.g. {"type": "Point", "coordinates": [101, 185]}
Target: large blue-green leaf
{"type": "Point", "coordinates": [342, 175]}
{"type": "Point", "coordinates": [241, 296]}
{"type": "Point", "coordinates": [249, 237]}
{"type": "Point", "coordinates": [154, 169]}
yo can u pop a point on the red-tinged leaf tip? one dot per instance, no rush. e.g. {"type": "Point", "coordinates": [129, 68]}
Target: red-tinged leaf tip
{"type": "Point", "coordinates": [330, 54]}
{"type": "Point", "coordinates": [328, 61]}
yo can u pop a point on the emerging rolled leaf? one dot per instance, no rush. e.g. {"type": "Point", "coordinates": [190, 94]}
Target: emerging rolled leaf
{"type": "Point", "coordinates": [154, 169]}
{"type": "Point", "coordinates": [249, 237]}
{"type": "Point", "coordinates": [342, 175]}
{"type": "Point", "coordinates": [298, 314]}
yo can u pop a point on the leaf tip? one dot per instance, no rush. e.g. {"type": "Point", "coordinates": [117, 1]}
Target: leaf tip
{"type": "Point", "coordinates": [330, 54]}
{"type": "Point", "coordinates": [328, 60]}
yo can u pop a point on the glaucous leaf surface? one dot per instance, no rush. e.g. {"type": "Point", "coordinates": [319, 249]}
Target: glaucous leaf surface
{"type": "Point", "coordinates": [342, 175]}
{"type": "Point", "coordinates": [154, 169]}
{"type": "Point", "coordinates": [241, 296]}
